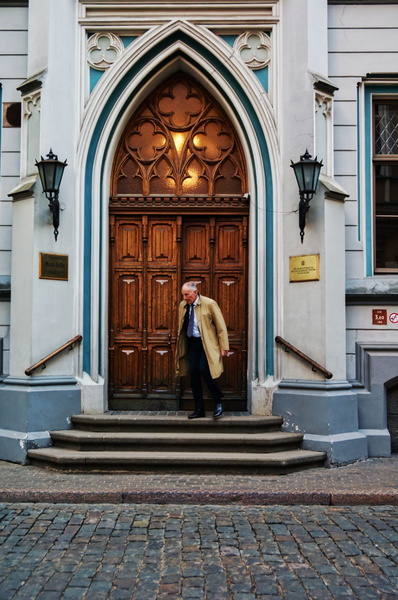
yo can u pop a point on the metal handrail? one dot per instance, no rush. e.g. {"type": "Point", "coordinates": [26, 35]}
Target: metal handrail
{"type": "Point", "coordinates": [315, 366]}
{"type": "Point", "coordinates": [42, 363]}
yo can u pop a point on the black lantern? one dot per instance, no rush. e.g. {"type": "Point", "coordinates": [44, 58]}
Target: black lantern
{"type": "Point", "coordinates": [51, 170]}
{"type": "Point", "coordinates": [307, 174]}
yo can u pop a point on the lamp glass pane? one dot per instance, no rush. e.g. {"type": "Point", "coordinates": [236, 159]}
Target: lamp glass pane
{"type": "Point", "coordinates": [298, 171]}
{"type": "Point", "coordinates": [309, 176]}
{"type": "Point", "coordinates": [42, 174]}
{"type": "Point", "coordinates": [59, 171]}
{"type": "Point", "coordinates": [50, 170]}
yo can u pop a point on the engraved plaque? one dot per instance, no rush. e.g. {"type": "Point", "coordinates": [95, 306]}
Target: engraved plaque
{"type": "Point", "coordinates": [304, 268]}
{"type": "Point", "coordinates": [53, 266]}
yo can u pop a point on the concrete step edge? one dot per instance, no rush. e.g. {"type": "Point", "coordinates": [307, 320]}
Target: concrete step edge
{"type": "Point", "coordinates": [176, 420]}
{"type": "Point", "coordinates": [64, 456]}
{"type": "Point", "coordinates": [82, 436]}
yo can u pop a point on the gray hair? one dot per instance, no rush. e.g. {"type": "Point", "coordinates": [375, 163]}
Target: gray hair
{"type": "Point", "coordinates": [191, 285]}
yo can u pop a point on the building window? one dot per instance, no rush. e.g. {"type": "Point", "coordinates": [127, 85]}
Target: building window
{"type": "Point", "coordinates": [385, 177]}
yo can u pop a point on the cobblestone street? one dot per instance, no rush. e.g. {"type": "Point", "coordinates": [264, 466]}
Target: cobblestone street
{"type": "Point", "coordinates": [145, 552]}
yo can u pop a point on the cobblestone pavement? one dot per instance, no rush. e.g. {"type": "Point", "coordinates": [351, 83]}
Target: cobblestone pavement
{"type": "Point", "coordinates": [189, 552]}
{"type": "Point", "coordinates": [374, 481]}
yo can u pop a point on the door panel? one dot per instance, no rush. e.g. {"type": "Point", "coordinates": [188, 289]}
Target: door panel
{"type": "Point", "coordinates": [161, 243]}
{"type": "Point", "coordinates": [196, 245]}
{"type": "Point", "coordinates": [127, 369]}
{"type": "Point", "coordinates": [161, 360]}
{"type": "Point", "coordinates": [128, 316]}
{"type": "Point", "coordinates": [229, 246]}
{"type": "Point", "coordinates": [231, 294]}
{"type": "Point", "coordinates": [161, 305]}
{"type": "Point", "coordinates": [128, 238]}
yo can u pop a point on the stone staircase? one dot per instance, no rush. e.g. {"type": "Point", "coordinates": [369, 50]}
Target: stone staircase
{"type": "Point", "coordinates": [172, 443]}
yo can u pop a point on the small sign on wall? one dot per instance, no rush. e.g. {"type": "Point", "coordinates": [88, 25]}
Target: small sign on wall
{"type": "Point", "coordinates": [53, 266]}
{"type": "Point", "coordinates": [304, 268]}
{"type": "Point", "coordinates": [379, 316]}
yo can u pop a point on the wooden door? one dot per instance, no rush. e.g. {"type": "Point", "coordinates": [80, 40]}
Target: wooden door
{"type": "Point", "coordinates": [177, 213]}
{"type": "Point", "coordinates": [150, 260]}
{"type": "Point", "coordinates": [214, 255]}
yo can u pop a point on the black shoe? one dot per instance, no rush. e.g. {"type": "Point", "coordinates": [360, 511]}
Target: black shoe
{"type": "Point", "coordinates": [217, 411]}
{"type": "Point", "coordinates": [197, 414]}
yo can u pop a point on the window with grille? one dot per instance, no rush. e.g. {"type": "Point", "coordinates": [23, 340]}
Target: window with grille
{"type": "Point", "coordinates": [385, 177]}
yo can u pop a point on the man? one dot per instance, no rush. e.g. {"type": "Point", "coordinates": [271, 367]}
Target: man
{"type": "Point", "coordinates": [201, 343]}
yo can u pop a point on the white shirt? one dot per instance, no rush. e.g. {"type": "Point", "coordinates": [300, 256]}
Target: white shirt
{"type": "Point", "coordinates": [196, 332]}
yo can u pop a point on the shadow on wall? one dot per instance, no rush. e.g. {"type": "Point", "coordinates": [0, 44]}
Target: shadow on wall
{"type": "Point", "coordinates": [392, 416]}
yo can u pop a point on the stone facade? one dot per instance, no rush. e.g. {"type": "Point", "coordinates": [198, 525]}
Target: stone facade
{"type": "Point", "coordinates": [290, 75]}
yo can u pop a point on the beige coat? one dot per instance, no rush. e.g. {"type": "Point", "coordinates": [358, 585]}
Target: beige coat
{"type": "Point", "coordinates": [214, 334]}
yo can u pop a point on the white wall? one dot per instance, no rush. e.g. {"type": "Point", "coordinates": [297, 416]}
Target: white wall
{"type": "Point", "coordinates": [362, 39]}
{"type": "Point", "coordinates": [13, 50]}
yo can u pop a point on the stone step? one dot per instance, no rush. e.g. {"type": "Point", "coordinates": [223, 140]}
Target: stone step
{"type": "Point", "coordinates": [176, 441]}
{"type": "Point", "coordinates": [176, 422]}
{"type": "Point", "coordinates": [187, 462]}
{"type": "Point", "coordinates": [171, 442]}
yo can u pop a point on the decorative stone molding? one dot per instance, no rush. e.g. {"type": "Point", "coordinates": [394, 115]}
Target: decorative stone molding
{"type": "Point", "coordinates": [103, 49]}
{"type": "Point", "coordinates": [254, 48]}
{"type": "Point", "coordinates": [324, 85]}
{"type": "Point", "coordinates": [324, 103]}
{"type": "Point", "coordinates": [32, 84]}
{"type": "Point", "coordinates": [31, 101]}
{"type": "Point", "coordinates": [24, 189]}
{"type": "Point", "coordinates": [324, 134]}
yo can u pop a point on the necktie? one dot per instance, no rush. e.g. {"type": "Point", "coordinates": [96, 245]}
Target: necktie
{"type": "Point", "coordinates": [191, 321]}
{"type": "Point", "coordinates": [186, 318]}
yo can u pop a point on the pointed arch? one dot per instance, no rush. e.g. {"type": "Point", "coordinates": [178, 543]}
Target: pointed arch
{"type": "Point", "coordinates": [177, 137]}
{"type": "Point", "coordinates": [179, 47]}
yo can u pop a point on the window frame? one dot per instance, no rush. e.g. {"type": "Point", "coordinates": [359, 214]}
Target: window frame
{"type": "Point", "coordinates": [381, 160]}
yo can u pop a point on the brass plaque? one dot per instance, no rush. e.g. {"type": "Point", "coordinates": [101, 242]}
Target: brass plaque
{"type": "Point", "coordinates": [53, 266]}
{"type": "Point", "coordinates": [304, 268]}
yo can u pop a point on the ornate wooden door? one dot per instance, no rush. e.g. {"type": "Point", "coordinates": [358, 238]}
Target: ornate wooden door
{"type": "Point", "coordinates": [177, 213]}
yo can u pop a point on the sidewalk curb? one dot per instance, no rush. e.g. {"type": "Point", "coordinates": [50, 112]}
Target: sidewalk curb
{"type": "Point", "coordinates": [240, 497]}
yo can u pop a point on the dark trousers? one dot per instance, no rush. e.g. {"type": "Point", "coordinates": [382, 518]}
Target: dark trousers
{"type": "Point", "coordinates": [198, 369]}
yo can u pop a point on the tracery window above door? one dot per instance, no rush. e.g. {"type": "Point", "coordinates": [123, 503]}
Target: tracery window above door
{"type": "Point", "coordinates": [179, 143]}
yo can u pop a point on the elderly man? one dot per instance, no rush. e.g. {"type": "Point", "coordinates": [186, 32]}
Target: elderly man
{"type": "Point", "coordinates": [201, 343]}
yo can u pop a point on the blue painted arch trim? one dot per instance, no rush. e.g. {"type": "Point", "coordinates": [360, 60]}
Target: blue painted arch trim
{"type": "Point", "coordinates": [125, 82]}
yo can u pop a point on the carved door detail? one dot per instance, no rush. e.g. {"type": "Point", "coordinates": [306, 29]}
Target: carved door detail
{"type": "Point", "coordinates": [179, 143]}
{"type": "Point", "coordinates": [177, 213]}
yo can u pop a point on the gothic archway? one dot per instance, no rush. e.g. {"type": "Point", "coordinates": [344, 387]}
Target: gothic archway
{"type": "Point", "coordinates": [177, 212]}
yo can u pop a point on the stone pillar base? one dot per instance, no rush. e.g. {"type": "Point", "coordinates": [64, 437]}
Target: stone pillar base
{"type": "Point", "coordinates": [327, 413]}
{"type": "Point", "coordinates": [379, 441]}
{"type": "Point", "coordinates": [30, 408]}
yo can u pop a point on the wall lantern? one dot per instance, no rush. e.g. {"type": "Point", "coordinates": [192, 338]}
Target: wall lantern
{"type": "Point", "coordinates": [51, 170]}
{"type": "Point", "coordinates": [307, 172]}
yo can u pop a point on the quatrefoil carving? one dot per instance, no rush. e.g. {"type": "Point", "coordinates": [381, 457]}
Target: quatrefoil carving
{"type": "Point", "coordinates": [103, 49]}
{"type": "Point", "coordinates": [254, 48]}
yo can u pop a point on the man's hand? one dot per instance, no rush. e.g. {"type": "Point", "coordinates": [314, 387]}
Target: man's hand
{"type": "Point", "coordinates": [224, 352]}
